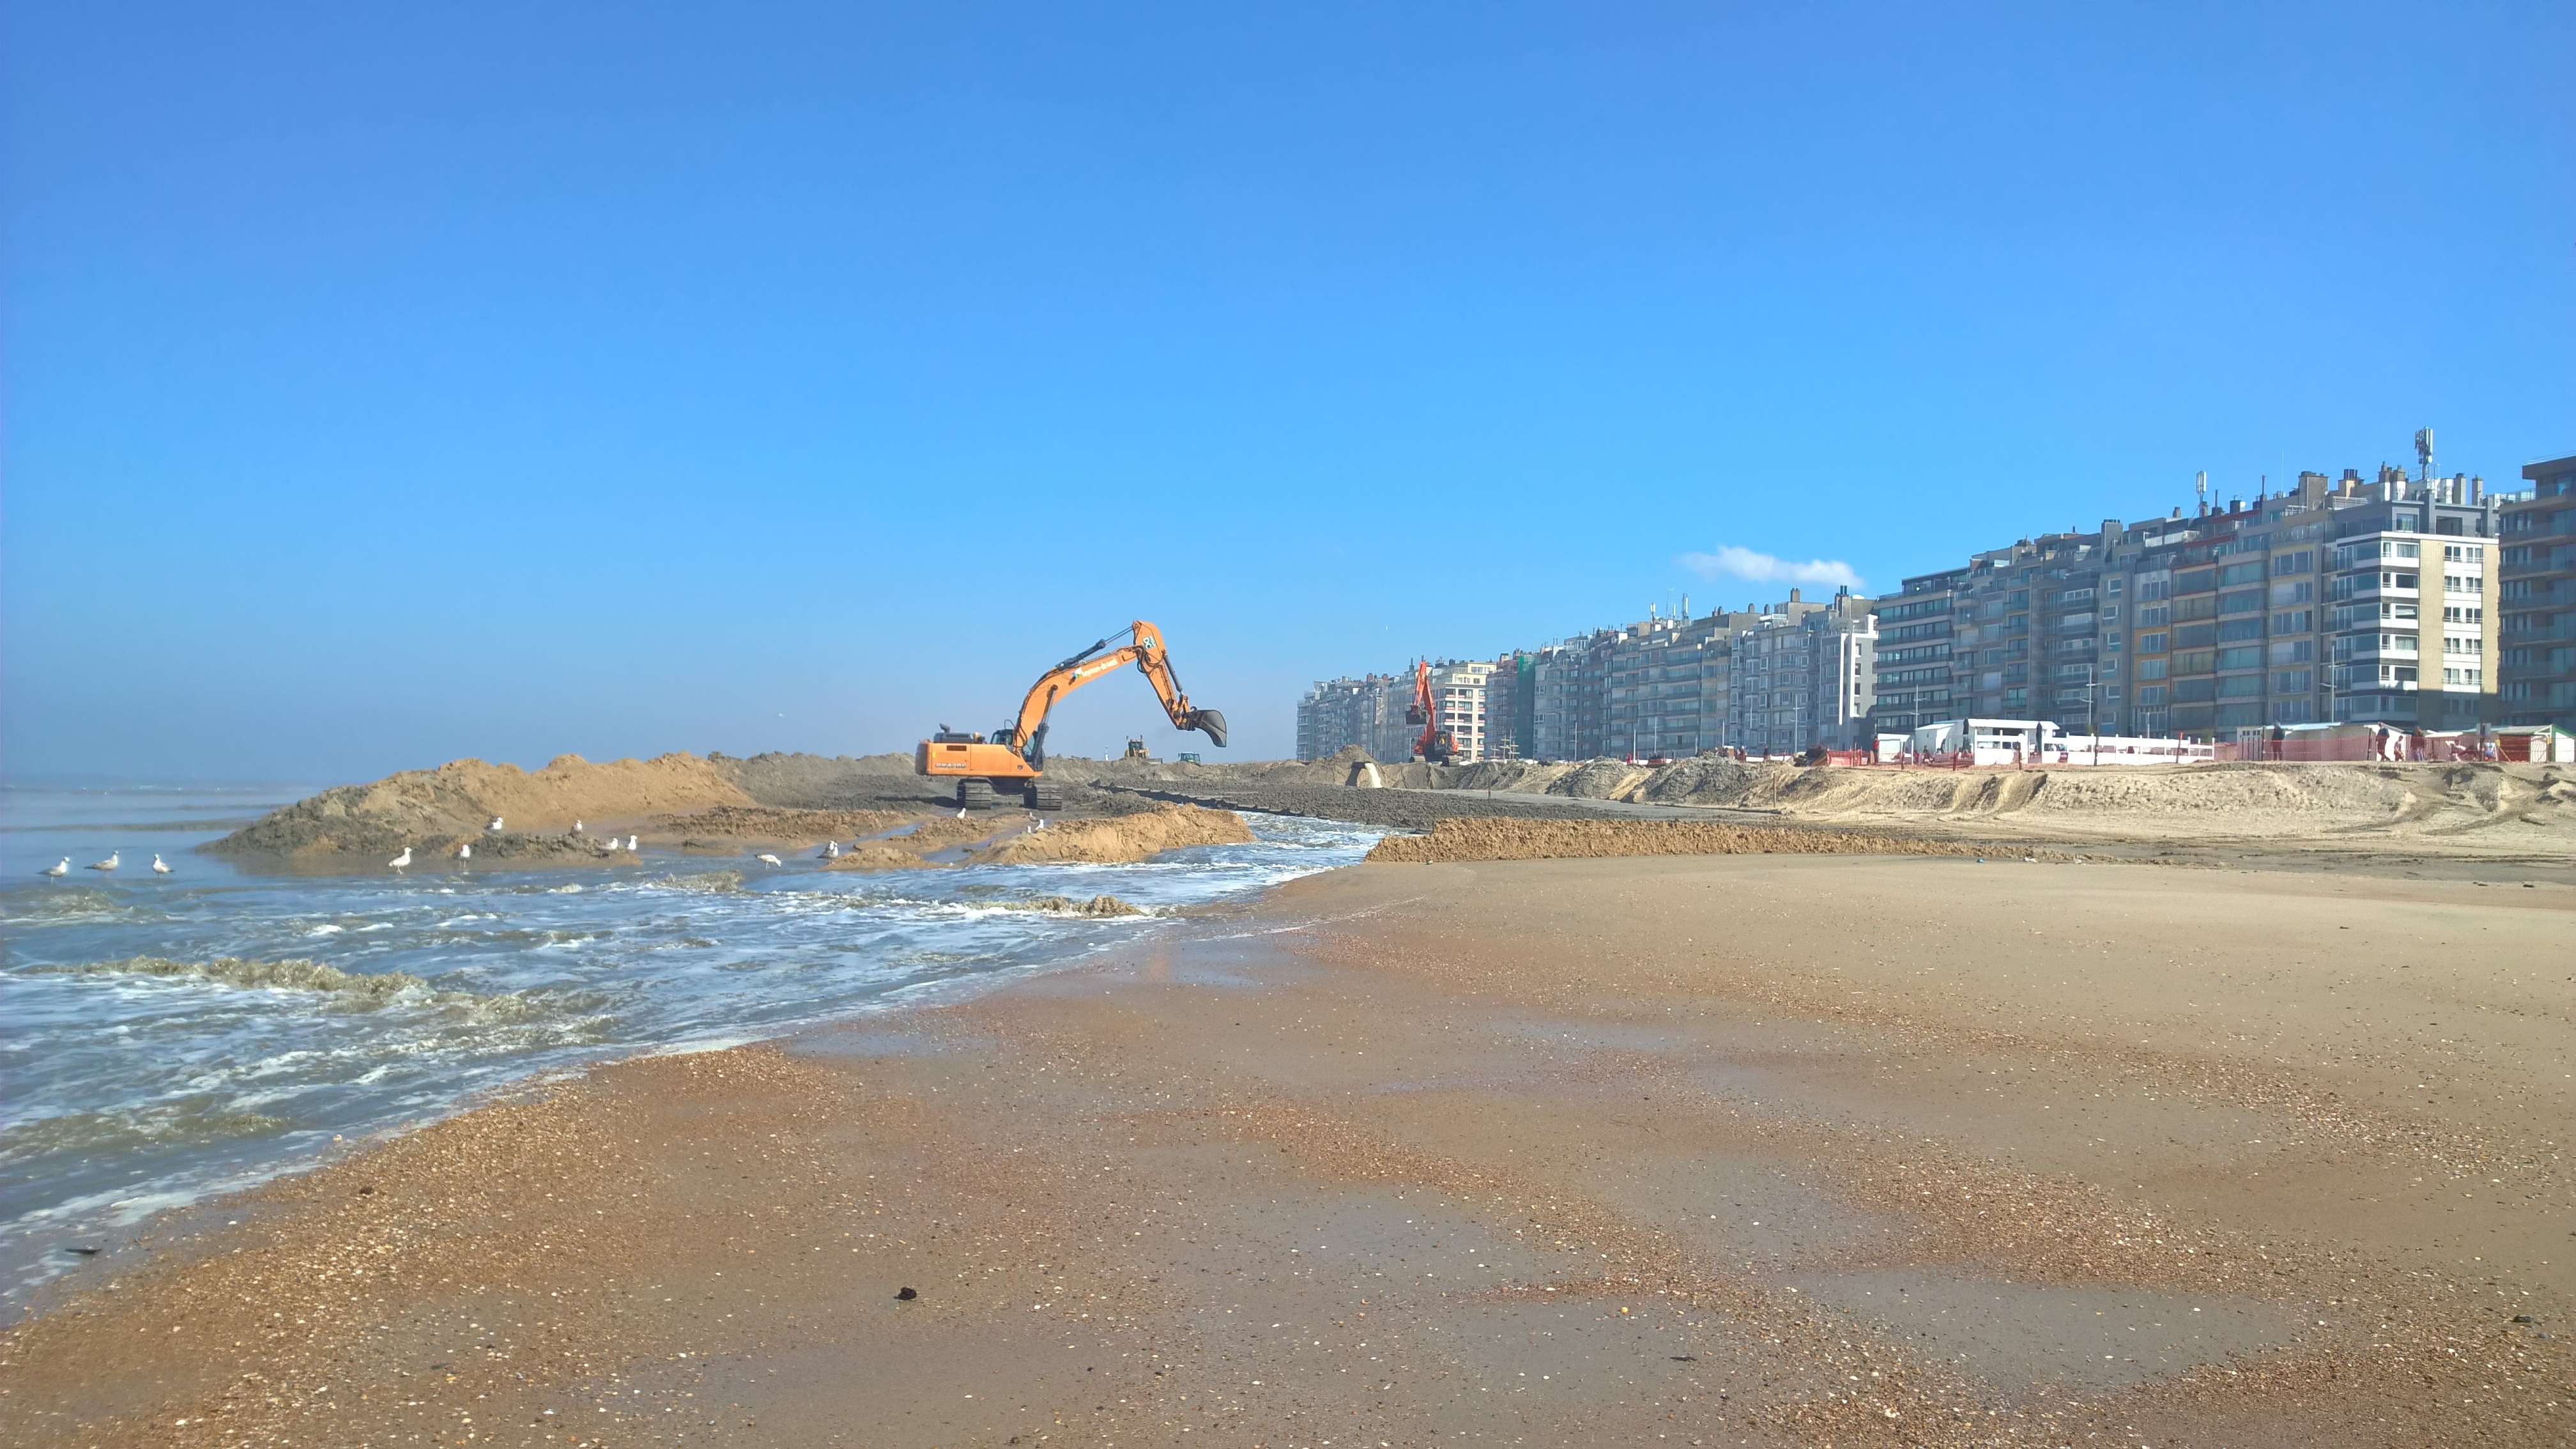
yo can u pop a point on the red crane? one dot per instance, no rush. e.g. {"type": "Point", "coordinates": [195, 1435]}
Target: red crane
{"type": "Point", "coordinates": [1436, 744]}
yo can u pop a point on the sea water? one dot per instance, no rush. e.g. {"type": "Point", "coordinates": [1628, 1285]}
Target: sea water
{"type": "Point", "coordinates": [164, 1038]}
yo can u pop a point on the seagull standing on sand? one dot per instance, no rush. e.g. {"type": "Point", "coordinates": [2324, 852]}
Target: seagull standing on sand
{"type": "Point", "coordinates": [630, 842]}
{"type": "Point", "coordinates": [765, 858]}
{"type": "Point", "coordinates": [576, 827]}
{"type": "Point", "coordinates": [465, 850]}
{"type": "Point", "coordinates": [110, 863]}
{"type": "Point", "coordinates": [58, 869]}
{"type": "Point", "coordinates": [159, 867]}
{"type": "Point", "coordinates": [495, 826]}
{"type": "Point", "coordinates": [831, 850]}
{"type": "Point", "coordinates": [399, 861]}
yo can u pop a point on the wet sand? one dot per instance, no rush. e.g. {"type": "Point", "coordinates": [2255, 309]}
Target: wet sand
{"type": "Point", "coordinates": [1717, 1150]}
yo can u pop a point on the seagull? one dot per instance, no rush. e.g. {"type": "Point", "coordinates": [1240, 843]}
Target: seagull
{"type": "Point", "coordinates": [399, 861]}
{"type": "Point", "coordinates": [465, 850]}
{"type": "Point", "coordinates": [108, 864]}
{"type": "Point", "coordinates": [630, 842]}
{"type": "Point", "coordinates": [158, 867]}
{"type": "Point", "coordinates": [961, 812]}
{"type": "Point", "coordinates": [831, 850]}
{"type": "Point", "coordinates": [58, 869]}
{"type": "Point", "coordinates": [495, 825]}
{"type": "Point", "coordinates": [576, 827]}
{"type": "Point", "coordinates": [765, 858]}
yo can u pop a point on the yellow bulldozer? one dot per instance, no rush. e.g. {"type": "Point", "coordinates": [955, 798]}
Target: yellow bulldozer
{"type": "Point", "coordinates": [1013, 759]}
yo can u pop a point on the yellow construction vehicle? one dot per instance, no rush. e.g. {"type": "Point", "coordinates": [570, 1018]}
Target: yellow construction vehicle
{"type": "Point", "coordinates": [1014, 759]}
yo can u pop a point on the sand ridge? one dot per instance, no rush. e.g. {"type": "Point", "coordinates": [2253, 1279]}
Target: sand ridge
{"type": "Point", "coordinates": [433, 810]}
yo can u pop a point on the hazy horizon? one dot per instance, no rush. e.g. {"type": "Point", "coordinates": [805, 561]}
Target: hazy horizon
{"type": "Point", "coordinates": [384, 388]}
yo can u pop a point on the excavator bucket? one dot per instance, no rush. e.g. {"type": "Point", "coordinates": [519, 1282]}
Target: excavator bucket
{"type": "Point", "coordinates": [1213, 723]}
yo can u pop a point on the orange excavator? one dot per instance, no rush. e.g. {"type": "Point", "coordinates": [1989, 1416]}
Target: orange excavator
{"type": "Point", "coordinates": [1014, 759]}
{"type": "Point", "coordinates": [1436, 745]}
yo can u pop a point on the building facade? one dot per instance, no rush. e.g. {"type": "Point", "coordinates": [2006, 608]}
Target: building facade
{"type": "Point", "coordinates": [2536, 645]}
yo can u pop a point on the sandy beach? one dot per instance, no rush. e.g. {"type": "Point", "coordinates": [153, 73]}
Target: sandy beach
{"type": "Point", "coordinates": [1757, 1149]}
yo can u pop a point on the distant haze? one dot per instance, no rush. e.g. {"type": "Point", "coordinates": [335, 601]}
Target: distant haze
{"type": "Point", "coordinates": [384, 385]}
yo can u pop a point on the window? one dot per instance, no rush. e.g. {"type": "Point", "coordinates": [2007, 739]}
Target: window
{"type": "Point", "coordinates": [2151, 669]}
{"type": "Point", "coordinates": [2463, 584]}
{"type": "Point", "coordinates": [2304, 561]}
{"type": "Point", "coordinates": [2246, 658]}
{"type": "Point", "coordinates": [2151, 643]}
{"type": "Point", "coordinates": [2299, 621]}
{"type": "Point", "coordinates": [2463, 614]}
{"type": "Point", "coordinates": [2154, 613]}
{"type": "Point", "coordinates": [2198, 581]}
{"type": "Point", "coordinates": [2243, 601]}
{"type": "Point", "coordinates": [2398, 548]}
{"type": "Point", "coordinates": [2150, 695]}
{"type": "Point", "coordinates": [2238, 630]}
{"type": "Point", "coordinates": [2198, 661]}
{"type": "Point", "coordinates": [2110, 613]}
{"type": "Point", "coordinates": [2111, 588]}
{"type": "Point", "coordinates": [2297, 591]}
{"type": "Point", "coordinates": [2243, 573]}
{"type": "Point", "coordinates": [2461, 676]}
{"type": "Point", "coordinates": [2155, 588]}
{"type": "Point", "coordinates": [2293, 681]}
{"type": "Point", "coordinates": [2294, 651]}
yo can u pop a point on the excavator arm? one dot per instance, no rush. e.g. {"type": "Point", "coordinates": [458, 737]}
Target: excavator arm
{"type": "Point", "coordinates": [1435, 744]}
{"type": "Point", "coordinates": [1027, 733]}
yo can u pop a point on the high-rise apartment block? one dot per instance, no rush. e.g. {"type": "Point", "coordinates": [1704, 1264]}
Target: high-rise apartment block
{"type": "Point", "coordinates": [2536, 648]}
{"type": "Point", "coordinates": [2418, 602]}
{"type": "Point", "coordinates": [2219, 625]}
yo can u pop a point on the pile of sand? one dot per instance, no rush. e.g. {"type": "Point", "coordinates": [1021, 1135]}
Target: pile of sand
{"type": "Point", "coordinates": [732, 825]}
{"type": "Point", "coordinates": [814, 782]}
{"type": "Point", "coordinates": [1493, 838]}
{"type": "Point", "coordinates": [1117, 842]}
{"type": "Point", "coordinates": [436, 808]}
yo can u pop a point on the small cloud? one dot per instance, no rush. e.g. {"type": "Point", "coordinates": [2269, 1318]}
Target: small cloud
{"type": "Point", "coordinates": [1730, 562]}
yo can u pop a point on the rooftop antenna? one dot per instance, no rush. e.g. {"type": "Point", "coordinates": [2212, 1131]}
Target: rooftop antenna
{"type": "Point", "coordinates": [2424, 453]}
{"type": "Point", "coordinates": [2200, 483]}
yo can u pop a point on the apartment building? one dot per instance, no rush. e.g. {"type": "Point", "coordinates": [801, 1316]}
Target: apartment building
{"type": "Point", "coordinates": [2414, 597]}
{"type": "Point", "coordinates": [1915, 676]}
{"type": "Point", "coordinates": [1338, 713]}
{"type": "Point", "coordinates": [2536, 646]}
{"type": "Point", "coordinates": [2226, 626]}
{"type": "Point", "coordinates": [1656, 676]}
{"type": "Point", "coordinates": [1801, 675]}
{"type": "Point", "coordinates": [1458, 704]}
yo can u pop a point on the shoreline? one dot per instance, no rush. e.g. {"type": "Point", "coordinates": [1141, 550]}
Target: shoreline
{"type": "Point", "coordinates": [1511, 1010]}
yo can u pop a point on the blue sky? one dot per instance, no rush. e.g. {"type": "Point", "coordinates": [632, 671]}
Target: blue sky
{"type": "Point", "coordinates": [386, 384]}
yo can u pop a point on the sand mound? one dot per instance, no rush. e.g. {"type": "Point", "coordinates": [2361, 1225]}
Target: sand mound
{"type": "Point", "coordinates": [456, 800]}
{"type": "Point", "coordinates": [1116, 842]}
{"type": "Point", "coordinates": [737, 824]}
{"type": "Point", "coordinates": [1506, 839]}
{"type": "Point", "coordinates": [1600, 780]}
{"type": "Point", "coordinates": [812, 782]}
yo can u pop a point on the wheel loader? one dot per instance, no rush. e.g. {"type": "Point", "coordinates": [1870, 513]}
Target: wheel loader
{"type": "Point", "coordinates": [1013, 759]}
